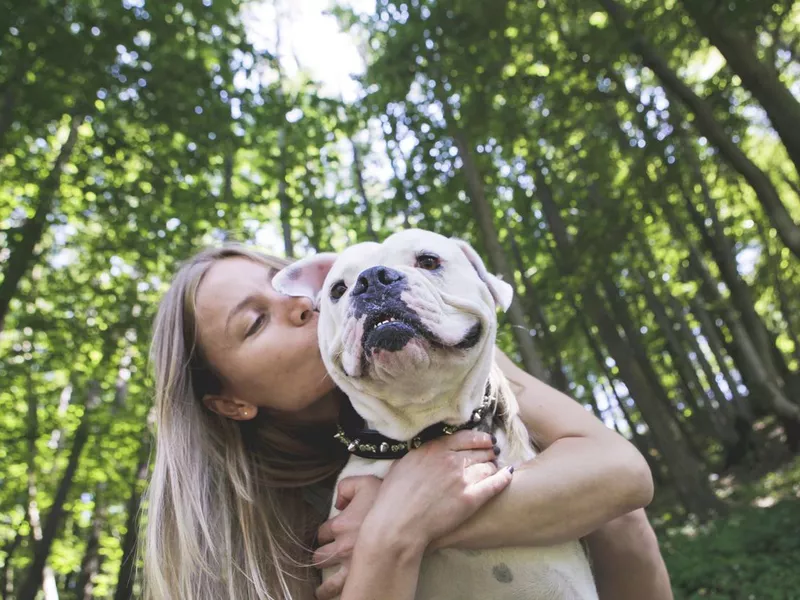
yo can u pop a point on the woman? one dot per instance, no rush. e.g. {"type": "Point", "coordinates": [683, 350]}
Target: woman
{"type": "Point", "coordinates": [245, 461]}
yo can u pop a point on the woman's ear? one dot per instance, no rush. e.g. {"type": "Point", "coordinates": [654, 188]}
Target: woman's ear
{"type": "Point", "coordinates": [230, 407]}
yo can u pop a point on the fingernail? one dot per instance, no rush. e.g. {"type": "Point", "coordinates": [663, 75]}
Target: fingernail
{"type": "Point", "coordinates": [496, 450]}
{"type": "Point", "coordinates": [494, 439]}
{"type": "Point", "coordinates": [511, 468]}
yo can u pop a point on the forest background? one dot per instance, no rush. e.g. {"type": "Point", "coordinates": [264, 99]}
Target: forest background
{"type": "Point", "coordinates": [632, 166]}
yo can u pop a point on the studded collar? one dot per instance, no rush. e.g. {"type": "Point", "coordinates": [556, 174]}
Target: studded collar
{"type": "Point", "coordinates": [369, 443]}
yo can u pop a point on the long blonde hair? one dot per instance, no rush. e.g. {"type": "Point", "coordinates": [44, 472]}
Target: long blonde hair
{"type": "Point", "coordinates": [226, 512]}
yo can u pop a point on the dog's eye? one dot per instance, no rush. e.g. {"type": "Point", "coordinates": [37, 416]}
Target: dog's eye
{"type": "Point", "coordinates": [338, 289]}
{"type": "Point", "coordinates": [429, 262]}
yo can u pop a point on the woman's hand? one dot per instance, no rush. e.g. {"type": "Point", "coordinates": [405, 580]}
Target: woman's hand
{"type": "Point", "coordinates": [428, 492]}
{"type": "Point", "coordinates": [435, 488]}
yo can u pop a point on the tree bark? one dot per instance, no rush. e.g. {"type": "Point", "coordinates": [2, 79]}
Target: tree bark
{"type": "Point", "coordinates": [47, 580]}
{"type": "Point", "coordinates": [759, 368]}
{"type": "Point", "coordinates": [127, 569]}
{"type": "Point", "coordinates": [721, 249]}
{"type": "Point", "coordinates": [760, 79]}
{"type": "Point", "coordinates": [7, 573]}
{"type": "Point", "coordinates": [687, 472]}
{"type": "Point", "coordinates": [497, 258]}
{"type": "Point", "coordinates": [715, 343]}
{"type": "Point", "coordinates": [645, 444]}
{"type": "Point", "coordinates": [719, 416]}
{"type": "Point", "coordinates": [34, 575]}
{"type": "Point", "coordinates": [693, 386]}
{"type": "Point", "coordinates": [759, 376]}
{"type": "Point", "coordinates": [557, 373]}
{"type": "Point", "coordinates": [706, 123]}
{"type": "Point", "coordinates": [283, 196]}
{"type": "Point", "coordinates": [90, 565]}
{"type": "Point", "coordinates": [23, 252]}
{"type": "Point", "coordinates": [358, 175]}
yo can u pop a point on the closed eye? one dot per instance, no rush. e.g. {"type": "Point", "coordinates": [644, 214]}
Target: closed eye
{"type": "Point", "coordinates": [256, 325]}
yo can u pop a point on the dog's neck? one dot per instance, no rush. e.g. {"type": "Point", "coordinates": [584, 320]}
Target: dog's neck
{"type": "Point", "coordinates": [452, 404]}
{"type": "Point", "coordinates": [368, 443]}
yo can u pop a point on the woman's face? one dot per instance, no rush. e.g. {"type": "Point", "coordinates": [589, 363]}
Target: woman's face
{"type": "Point", "coordinates": [262, 343]}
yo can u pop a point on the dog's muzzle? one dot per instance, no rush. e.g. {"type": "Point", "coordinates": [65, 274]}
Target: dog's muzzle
{"type": "Point", "coordinates": [388, 322]}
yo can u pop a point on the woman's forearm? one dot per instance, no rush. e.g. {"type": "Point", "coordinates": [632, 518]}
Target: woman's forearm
{"type": "Point", "coordinates": [629, 545]}
{"type": "Point", "coordinates": [571, 489]}
{"type": "Point", "coordinates": [383, 568]}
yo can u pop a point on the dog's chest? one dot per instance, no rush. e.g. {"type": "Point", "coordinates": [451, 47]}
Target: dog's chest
{"type": "Point", "coordinates": [553, 573]}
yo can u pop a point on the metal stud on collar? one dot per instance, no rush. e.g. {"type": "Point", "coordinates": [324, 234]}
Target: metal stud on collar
{"type": "Point", "coordinates": [355, 445]}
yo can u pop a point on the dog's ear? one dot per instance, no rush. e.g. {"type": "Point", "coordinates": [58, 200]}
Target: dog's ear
{"type": "Point", "coordinates": [501, 291]}
{"type": "Point", "coordinates": [305, 277]}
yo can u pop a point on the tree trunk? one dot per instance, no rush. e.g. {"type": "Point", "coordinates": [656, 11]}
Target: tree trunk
{"type": "Point", "coordinates": [34, 575]}
{"type": "Point", "coordinates": [90, 565]}
{"type": "Point", "coordinates": [127, 569]}
{"type": "Point", "coordinates": [227, 177]}
{"type": "Point", "coordinates": [497, 258]}
{"type": "Point", "coordinates": [760, 79]}
{"type": "Point", "coordinates": [23, 250]}
{"type": "Point", "coordinates": [760, 371]}
{"type": "Point", "coordinates": [557, 373]}
{"type": "Point", "coordinates": [693, 387]}
{"type": "Point", "coordinates": [705, 122]}
{"type": "Point", "coordinates": [7, 573]}
{"type": "Point", "coordinates": [762, 382]}
{"type": "Point", "coordinates": [642, 443]}
{"type": "Point", "coordinates": [283, 196]}
{"type": "Point", "coordinates": [687, 472]}
{"type": "Point", "coordinates": [715, 343]}
{"type": "Point", "coordinates": [788, 308]}
{"type": "Point", "coordinates": [358, 175]}
{"type": "Point", "coordinates": [721, 249]}
{"type": "Point", "coordinates": [47, 578]}
{"type": "Point", "coordinates": [719, 416]}
{"type": "Point", "coordinates": [8, 97]}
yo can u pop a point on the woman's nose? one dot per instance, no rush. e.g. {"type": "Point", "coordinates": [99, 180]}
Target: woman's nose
{"type": "Point", "coordinates": [301, 310]}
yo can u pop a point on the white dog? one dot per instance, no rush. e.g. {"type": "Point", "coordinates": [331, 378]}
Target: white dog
{"type": "Point", "coordinates": [407, 330]}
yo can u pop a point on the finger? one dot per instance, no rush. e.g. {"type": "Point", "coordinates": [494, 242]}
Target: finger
{"type": "Point", "coordinates": [473, 457]}
{"type": "Point", "coordinates": [479, 472]}
{"type": "Point", "coordinates": [468, 440]}
{"type": "Point", "coordinates": [347, 490]}
{"type": "Point", "coordinates": [325, 533]}
{"type": "Point", "coordinates": [333, 585]}
{"type": "Point", "coordinates": [488, 488]}
{"type": "Point", "coordinates": [326, 556]}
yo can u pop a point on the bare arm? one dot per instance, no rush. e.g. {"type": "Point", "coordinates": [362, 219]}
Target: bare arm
{"type": "Point", "coordinates": [586, 476]}
{"type": "Point", "coordinates": [627, 561]}
{"type": "Point", "coordinates": [383, 571]}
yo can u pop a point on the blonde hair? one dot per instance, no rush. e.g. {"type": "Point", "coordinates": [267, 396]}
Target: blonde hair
{"type": "Point", "coordinates": [226, 516]}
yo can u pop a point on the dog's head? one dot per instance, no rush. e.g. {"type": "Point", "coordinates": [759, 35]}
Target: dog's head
{"type": "Point", "coordinates": [404, 323]}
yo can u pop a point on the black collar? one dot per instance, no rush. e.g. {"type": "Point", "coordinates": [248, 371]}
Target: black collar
{"type": "Point", "coordinates": [368, 443]}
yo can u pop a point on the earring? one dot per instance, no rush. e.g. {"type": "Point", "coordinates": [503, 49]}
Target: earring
{"type": "Point", "coordinates": [245, 412]}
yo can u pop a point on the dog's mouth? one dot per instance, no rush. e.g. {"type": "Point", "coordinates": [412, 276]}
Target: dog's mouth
{"type": "Point", "coordinates": [392, 330]}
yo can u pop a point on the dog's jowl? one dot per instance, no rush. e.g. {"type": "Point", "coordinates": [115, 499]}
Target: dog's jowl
{"type": "Point", "coordinates": [407, 330]}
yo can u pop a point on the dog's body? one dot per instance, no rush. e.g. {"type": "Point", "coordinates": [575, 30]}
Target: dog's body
{"type": "Point", "coordinates": [407, 330]}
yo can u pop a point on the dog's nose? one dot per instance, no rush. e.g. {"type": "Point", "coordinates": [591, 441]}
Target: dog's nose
{"type": "Point", "coordinates": [376, 279]}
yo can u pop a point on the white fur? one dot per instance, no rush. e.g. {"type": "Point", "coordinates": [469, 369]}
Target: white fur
{"type": "Point", "coordinates": [403, 392]}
